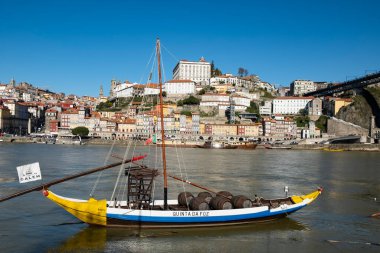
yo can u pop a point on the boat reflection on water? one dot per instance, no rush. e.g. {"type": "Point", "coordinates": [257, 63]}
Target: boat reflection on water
{"type": "Point", "coordinates": [90, 239]}
{"type": "Point", "coordinates": [97, 239]}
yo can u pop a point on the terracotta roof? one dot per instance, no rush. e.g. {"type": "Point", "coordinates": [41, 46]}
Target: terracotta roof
{"type": "Point", "coordinates": [70, 111]}
{"type": "Point", "coordinates": [290, 98]}
{"type": "Point", "coordinates": [152, 85]}
{"type": "Point", "coordinates": [180, 81]}
{"type": "Point", "coordinates": [212, 94]}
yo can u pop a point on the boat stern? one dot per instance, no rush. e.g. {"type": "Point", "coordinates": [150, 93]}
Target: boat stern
{"type": "Point", "coordinates": [308, 198]}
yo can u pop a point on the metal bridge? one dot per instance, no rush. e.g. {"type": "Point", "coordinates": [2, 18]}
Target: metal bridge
{"type": "Point", "coordinates": [358, 83]}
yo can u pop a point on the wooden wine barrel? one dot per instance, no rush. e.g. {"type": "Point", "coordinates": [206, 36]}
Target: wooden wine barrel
{"type": "Point", "coordinates": [206, 196]}
{"type": "Point", "coordinates": [225, 194]}
{"type": "Point", "coordinates": [220, 203]}
{"type": "Point", "coordinates": [241, 201]}
{"type": "Point", "coordinates": [199, 203]}
{"type": "Point", "coordinates": [184, 198]}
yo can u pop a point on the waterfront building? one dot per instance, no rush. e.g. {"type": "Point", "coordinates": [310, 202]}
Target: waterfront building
{"type": "Point", "coordinates": [199, 72]}
{"type": "Point", "coordinates": [145, 123]}
{"type": "Point", "coordinates": [125, 129]}
{"type": "Point", "coordinates": [289, 105]}
{"type": "Point", "coordinates": [248, 130]}
{"type": "Point", "coordinates": [50, 115]}
{"type": "Point", "coordinates": [279, 128]}
{"type": "Point", "coordinates": [19, 117]}
{"type": "Point", "coordinates": [5, 122]}
{"type": "Point", "coordinates": [179, 87]}
{"type": "Point", "coordinates": [195, 119]}
{"type": "Point", "coordinates": [300, 87]}
{"type": "Point", "coordinates": [220, 130]}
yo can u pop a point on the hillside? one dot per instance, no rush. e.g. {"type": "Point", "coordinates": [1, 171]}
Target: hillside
{"type": "Point", "coordinates": [362, 108]}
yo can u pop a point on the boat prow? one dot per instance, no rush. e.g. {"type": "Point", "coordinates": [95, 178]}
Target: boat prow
{"type": "Point", "coordinates": [90, 211]}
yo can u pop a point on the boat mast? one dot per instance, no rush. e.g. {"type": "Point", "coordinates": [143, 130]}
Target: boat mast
{"type": "Point", "coordinates": [158, 51]}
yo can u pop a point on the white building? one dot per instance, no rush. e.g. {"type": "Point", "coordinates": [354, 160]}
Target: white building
{"type": "Point", "coordinates": [230, 79]}
{"type": "Point", "coordinates": [241, 100]}
{"type": "Point", "coordinates": [179, 87]}
{"type": "Point", "coordinates": [289, 105]}
{"type": "Point", "coordinates": [123, 90]}
{"type": "Point", "coordinates": [300, 87]}
{"type": "Point", "coordinates": [266, 108]}
{"type": "Point", "coordinates": [222, 101]}
{"type": "Point", "coordinates": [199, 72]}
{"type": "Point", "coordinates": [266, 86]}
{"type": "Point", "coordinates": [152, 89]}
{"type": "Point", "coordinates": [215, 97]}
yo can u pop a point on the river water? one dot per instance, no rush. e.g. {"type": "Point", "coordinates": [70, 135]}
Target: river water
{"type": "Point", "coordinates": [338, 221]}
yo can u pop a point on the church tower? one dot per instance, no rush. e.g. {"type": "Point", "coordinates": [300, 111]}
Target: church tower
{"type": "Point", "coordinates": [101, 94]}
{"type": "Point", "coordinates": [113, 86]}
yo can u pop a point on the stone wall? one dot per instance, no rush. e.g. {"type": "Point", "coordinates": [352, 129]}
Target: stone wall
{"type": "Point", "coordinates": [339, 127]}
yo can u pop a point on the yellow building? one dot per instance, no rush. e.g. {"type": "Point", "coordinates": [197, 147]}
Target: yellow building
{"type": "Point", "coordinates": [168, 109]}
{"type": "Point", "coordinates": [339, 103]}
{"type": "Point", "coordinates": [221, 129]}
{"type": "Point", "coordinates": [249, 130]}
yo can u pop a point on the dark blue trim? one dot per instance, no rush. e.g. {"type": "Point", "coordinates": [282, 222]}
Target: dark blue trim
{"type": "Point", "coordinates": [200, 219]}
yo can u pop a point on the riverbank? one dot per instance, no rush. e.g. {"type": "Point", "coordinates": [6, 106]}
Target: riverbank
{"type": "Point", "coordinates": [192, 144]}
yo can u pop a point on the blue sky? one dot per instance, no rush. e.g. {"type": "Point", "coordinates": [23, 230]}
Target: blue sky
{"type": "Point", "coordinates": [74, 46]}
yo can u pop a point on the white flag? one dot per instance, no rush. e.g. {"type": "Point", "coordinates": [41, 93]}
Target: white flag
{"type": "Point", "coordinates": [29, 172]}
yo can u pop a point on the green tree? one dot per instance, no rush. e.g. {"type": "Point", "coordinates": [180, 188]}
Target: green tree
{"type": "Point", "coordinates": [187, 113]}
{"type": "Point", "coordinates": [104, 105]}
{"type": "Point", "coordinates": [253, 108]}
{"type": "Point", "coordinates": [302, 112]}
{"type": "Point", "coordinates": [321, 123]}
{"type": "Point", "coordinates": [81, 131]}
{"type": "Point", "coordinates": [302, 121]}
{"type": "Point", "coordinates": [242, 72]}
{"type": "Point", "coordinates": [215, 71]}
{"type": "Point", "coordinates": [191, 100]}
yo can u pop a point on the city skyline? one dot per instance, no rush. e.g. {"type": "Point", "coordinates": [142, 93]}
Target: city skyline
{"type": "Point", "coordinates": [76, 47]}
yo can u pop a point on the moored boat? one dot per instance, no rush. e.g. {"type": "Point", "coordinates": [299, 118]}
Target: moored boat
{"type": "Point", "coordinates": [333, 149]}
{"type": "Point", "coordinates": [277, 147]}
{"type": "Point", "coordinates": [154, 215]}
{"type": "Point", "coordinates": [246, 145]}
{"type": "Point", "coordinates": [217, 145]}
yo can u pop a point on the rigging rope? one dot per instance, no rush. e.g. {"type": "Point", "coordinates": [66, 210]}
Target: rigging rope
{"type": "Point", "coordinates": [101, 173]}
